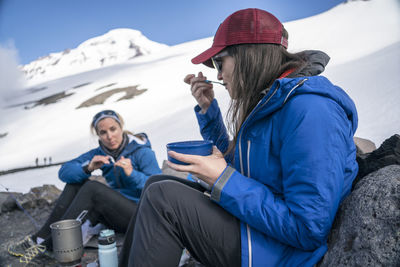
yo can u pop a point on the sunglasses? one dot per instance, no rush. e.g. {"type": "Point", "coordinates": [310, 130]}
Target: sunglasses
{"type": "Point", "coordinates": [104, 114]}
{"type": "Point", "coordinates": [217, 60]}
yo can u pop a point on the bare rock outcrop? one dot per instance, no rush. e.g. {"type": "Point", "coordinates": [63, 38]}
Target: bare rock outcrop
{"type": "Point", "coordinates": [387, 154]}
{"type": "Point", "coordinates": [37, 197]}
{"type": "Point", "coordinates": [366, 229]}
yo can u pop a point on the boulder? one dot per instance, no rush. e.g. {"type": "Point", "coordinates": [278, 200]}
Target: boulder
{"type": "Point", "coordinates": [366, 228]}
{"type": "Point", "coordinates": [37, 197]}
{"type": "Point", "coordinates": [7, 202]}
{"type": "Point", "coordinates": [45, 195]}
{"type": "Point", "coordinates": [387, 154]}
{"type": "Point", "coordinates": [364, 145]}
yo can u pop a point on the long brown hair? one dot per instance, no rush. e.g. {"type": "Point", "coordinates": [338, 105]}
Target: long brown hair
{"type": "Point", "coordinates": [257, 66]}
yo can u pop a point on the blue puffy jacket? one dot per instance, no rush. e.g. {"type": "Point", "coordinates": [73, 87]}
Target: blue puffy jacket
{"type": "Point", "coordinates": [143, 161]}
{"type": "Point", "coordinates": [295, 161]}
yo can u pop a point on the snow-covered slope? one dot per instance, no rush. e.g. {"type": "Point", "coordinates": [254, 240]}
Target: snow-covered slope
{"type": "Point", "coordinates": [114, 47]}
{"type": "Point", "coordinates": [37, 128]}
{"type": "Point", "coordinates": [373, 82]}
{"type": "Point", "coordinates": [349, 31]}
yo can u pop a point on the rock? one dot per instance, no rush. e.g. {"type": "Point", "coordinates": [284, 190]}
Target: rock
{"type": "Point", "coordinates": [37, 197]}
{"type": "Point", "coordinates": [364, 145]}
{"type": "Point", "coordinates": [3, 198]}
{"type": "Point", "coordinates": [387, 154]}
{"type": "Point", "coordinates": [366, 228]}
{"type": "Point", "coordinates": [8, 202]}
{"type": "Point", "coordinates": [15, 225]}
{"type": "Point", "coordinates": [46, 193]}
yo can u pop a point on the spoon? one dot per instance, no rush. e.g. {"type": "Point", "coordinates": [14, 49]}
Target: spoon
{"type": "Point", "coordinates": [209, 81]}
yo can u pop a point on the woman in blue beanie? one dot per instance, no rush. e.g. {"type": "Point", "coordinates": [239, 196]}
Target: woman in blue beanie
{"type": "Point", "coordinates": [126, 161]}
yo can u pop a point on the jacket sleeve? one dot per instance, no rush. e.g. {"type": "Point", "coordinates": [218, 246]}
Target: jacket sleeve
{"type": "Point", "coordinates": [72, 171]}
{"type": "Point", "coordinates": [147, 166]}
{"type": "Point", "coordinates": [314, 136]}
{"type": "Point", "coordinates": [212, 126]}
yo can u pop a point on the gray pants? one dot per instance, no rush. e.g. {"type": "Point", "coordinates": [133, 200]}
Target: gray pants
{"type": "Point", "coordinates": [173, 214]}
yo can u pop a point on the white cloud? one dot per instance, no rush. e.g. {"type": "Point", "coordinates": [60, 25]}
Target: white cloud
{"type": "Point", "coordinates": [11, 77]}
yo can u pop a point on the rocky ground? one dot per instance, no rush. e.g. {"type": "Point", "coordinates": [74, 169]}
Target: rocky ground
{"type": "Point", "coordinates": [15, 225]}
{"type": "Point", "coordinates": [10, 233]}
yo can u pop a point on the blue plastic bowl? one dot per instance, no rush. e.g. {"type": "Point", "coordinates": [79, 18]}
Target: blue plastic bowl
{"type": "Point", "coordinates": [201, 148]}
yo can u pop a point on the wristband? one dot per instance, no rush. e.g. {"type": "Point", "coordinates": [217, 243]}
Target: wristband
{"type": "Point", "coordinates": [86, 169]}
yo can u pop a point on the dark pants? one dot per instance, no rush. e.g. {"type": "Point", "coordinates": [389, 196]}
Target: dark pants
{"type": "Point", "coordinates": [103, 203]}
{"type": "Point", "coordinates": [174, 214]}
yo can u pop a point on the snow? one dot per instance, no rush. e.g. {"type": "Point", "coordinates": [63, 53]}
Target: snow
{"type": "Point", "coordinates": [362, 38]}
{"type": "Point", "coordinates": [116, 46]}
{"type": "Point", "coordinates": [348, 31]}
{"type": "Point", "coordinates": [373, 84]}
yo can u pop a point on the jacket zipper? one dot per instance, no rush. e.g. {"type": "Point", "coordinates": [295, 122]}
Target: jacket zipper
{"type": "Point", "coordinates": [253, 111]}
{"type": "Point", "coordinates": [244, 123]}
{"type": "Point", "coordinates": [242, 172]}
{"type": "Point", "coordinates": [297, 85]}
{"type": "Point", "coordinates": [248, 155]}
{"type": "Point", "coordinates": [247, 226]}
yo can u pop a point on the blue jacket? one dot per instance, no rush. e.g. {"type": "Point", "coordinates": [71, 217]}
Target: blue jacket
{"type": "Point", "coordinates": [143, 160]}
{"type": "Point", "coordinates": [295, 161]}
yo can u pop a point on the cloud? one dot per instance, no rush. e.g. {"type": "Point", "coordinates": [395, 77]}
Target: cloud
{"type": "Point", "coordinates": [11, 77]}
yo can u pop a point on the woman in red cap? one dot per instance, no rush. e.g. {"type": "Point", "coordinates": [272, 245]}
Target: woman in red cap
{"type": "Point", "coordinates": [276, 186]}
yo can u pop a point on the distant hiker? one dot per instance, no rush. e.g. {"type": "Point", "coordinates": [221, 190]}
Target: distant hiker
{"type": "Point", "coordinates": [126, 161]}
{"type": "Point", "coordinates": [44, 160]}
{"type": "Point", "coordinates": [49, 160]}
{"type": "Point", "coordinates": [277, 185]}
{"type": "Point", "coordinates": [37, 162]}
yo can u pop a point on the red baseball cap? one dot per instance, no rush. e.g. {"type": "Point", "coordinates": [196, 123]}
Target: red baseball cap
{"type": "Point", "coordinates": [246, 26]}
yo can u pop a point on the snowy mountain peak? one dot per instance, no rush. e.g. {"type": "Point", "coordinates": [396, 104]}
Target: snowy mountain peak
{"type": "Point", "coordinates": [113, 37]}
{"type": "Point", "coordinates": [116, 46]}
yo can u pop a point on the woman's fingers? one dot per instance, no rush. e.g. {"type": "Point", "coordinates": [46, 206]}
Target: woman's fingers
{"type": "Point", "coordinates": [98, 161]}
{"type": "Point", "coordinates": [191, 78]}
{"type": "Point", "coordinates": [179, 167]}
{"type": "Point", "coordinates": [101, 158]}
{"type": "Point", "coordinates": [125, 164]}
{"type": "Point", "coordinates": [188, 78]}
{"type": "Point", "coordinates": [192, 160]}
{"type": "Point", "coordinates": [183, 157]}
{"type": "Point", "coordinates": [208, 167]}
{"type": "Point", "coordinates": [201, 92]}
{"type": "Point", "coordinates": [201, 88]}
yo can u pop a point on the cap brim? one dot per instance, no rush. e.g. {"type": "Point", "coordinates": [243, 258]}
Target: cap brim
{"type": "Point", "coordinates": [206, 56]}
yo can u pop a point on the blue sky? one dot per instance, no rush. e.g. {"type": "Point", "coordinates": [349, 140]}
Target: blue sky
{"type": "Point", "coordinates": [36, 28]}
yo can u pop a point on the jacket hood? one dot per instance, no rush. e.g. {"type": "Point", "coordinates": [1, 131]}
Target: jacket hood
{"type": "Point", "coordinates": [316, 62]}
{"type": "Point", "coordinates": [284, 89]}
{"type": "Point", "coordinates": [136, 142]}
